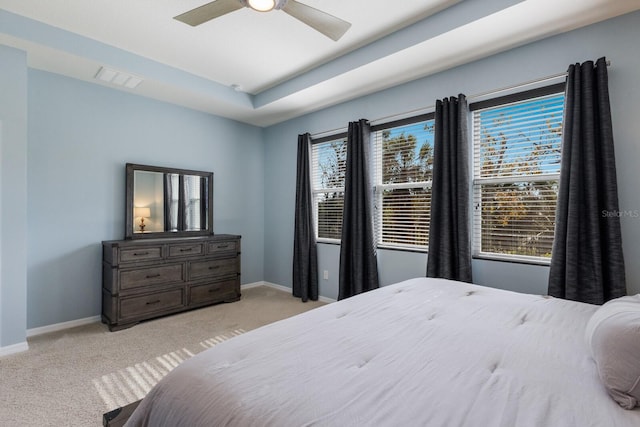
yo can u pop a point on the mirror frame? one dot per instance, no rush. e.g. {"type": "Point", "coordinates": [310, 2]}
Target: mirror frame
{"type": "Point", "coordinates": [131, 168]}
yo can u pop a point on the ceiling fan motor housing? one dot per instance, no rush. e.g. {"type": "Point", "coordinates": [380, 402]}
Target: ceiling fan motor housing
{"type": "Point", "coordinates": [280, 4]}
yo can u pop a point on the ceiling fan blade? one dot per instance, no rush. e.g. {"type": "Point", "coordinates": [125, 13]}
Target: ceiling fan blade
{"type": "Point", "coordinates": [208, 12]}
{"type": "Point", "coordinates": [329, 25]}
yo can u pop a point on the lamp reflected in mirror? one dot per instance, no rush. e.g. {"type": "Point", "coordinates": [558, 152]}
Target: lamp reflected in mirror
{"type": "Point", "coordinates": [142, 213]}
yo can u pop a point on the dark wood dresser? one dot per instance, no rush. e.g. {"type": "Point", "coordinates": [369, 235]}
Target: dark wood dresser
{"type": "Point", "coordinates": [143, 279]}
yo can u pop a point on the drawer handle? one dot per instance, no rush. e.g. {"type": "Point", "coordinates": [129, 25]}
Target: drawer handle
{"type": "Point", "coordinates": [153, 276]}
{"type": "Point", "coordinates": [153, 302]}
{"type": "Point", "coordinates": [223, 246]}
{"type": "Point", "coordinates": [214, 290]}
{"type": "Point", "coordinates": [214, 267]}
{"type": "Point", "coordinates": [140, 253]}
{"type": "Point", "coordinates": [186, 249]}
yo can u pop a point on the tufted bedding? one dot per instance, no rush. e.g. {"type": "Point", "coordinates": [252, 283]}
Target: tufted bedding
{"type": "Point", "coordinates": [424, 352]}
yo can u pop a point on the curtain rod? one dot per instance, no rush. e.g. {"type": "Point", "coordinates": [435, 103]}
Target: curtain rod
{"type": "Point", "coordinates": [430, 108]}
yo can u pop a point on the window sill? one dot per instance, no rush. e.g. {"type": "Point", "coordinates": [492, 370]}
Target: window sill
{"type": "Point", "coordinates": [336, 242]}
{"type": "Point", "coordinates": [545, 262]}
{"type": "Point", "coordinates": [329, 242]}
{"type": "Point", "coordinates": [402, 249]}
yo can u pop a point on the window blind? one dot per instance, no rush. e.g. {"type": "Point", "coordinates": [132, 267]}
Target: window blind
{"type": "Point", "coordinates": [328, 171]}
{"type": "Point", "coordinates": [516, 171]}
{"type": "Point", "coordinates": [402, 165]}
{"type": "Point", "coordinates": [192, 209]}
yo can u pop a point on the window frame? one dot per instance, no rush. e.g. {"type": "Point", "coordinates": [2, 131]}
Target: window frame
{"type": "Point", "coordinates": [378, 187]}
{"type": "Point", "coordinates": [315, 191]}
{"type": "Point", "coordinates": [477, 181]}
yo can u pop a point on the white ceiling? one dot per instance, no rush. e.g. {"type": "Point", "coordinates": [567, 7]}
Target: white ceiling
{"type": "Point", "coordinates": [284, 68]}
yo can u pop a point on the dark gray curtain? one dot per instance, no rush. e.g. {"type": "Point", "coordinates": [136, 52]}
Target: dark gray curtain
{"type": "Point", "coordinates": [204, 202]}
{"type": "Point", "coordinates": [182, 222]}
{"type": "Point", "coordinates": [449, 242]}
{"type": "Point", "coordinates": [305, 259]}
{"type": "Point", "coordinates": [170, 212]}
{"type": "Point", "coordinates": [586, 262]}
{"type": "Point", "coordinates": [175, 205]}
{"type": "Point", "coordinates": [358, 260]}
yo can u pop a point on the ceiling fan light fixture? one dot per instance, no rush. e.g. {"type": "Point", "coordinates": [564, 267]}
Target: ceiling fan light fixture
{"type": "Point", "coordinates": [262, 5]}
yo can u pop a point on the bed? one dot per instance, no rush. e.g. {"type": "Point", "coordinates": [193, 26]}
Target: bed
{"type": "Point", "coordinates": [423, 352]}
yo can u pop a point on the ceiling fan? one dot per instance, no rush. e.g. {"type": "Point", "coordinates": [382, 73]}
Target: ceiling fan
{"type": "Point", "coordinates": [329, 25]}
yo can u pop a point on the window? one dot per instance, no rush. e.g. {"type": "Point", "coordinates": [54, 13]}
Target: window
{"type": "Point", "coordinates": [402, 171]}
{"type": "Point", "coordinates": [516, 171]}
{"type": "Point", "coordinates": [189, 188]}
{"type": "Point", "coordinates": [193, 196]}
{"type": "Point", "coordinates": [328, 162]}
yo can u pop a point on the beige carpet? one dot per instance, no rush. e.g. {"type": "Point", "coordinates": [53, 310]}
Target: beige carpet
{"type": "Point", "coordinates": [71, 377]}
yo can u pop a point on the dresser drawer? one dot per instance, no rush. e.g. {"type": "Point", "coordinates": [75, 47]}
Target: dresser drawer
{"type": "Point", "coordinates": [130, 279]}
{"type": "Point", "coordinates": [182, 250]}
{"type": "Point", "coordinates": [150, 253]}
{"type": "Point", "coordinates": [213, 267]}
{"type": "Point", "coordinates": [147, 304]}
{"type": "Point", "coordinates": [221, 247]}
{"type": "Point", "coordinates": [212, 291]}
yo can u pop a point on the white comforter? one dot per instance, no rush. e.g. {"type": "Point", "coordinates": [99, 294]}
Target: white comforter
{"type": "Point", "coordinates": [424, 352]}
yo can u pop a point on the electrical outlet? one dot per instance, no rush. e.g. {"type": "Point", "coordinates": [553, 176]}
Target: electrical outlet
{"type": "Point", "coordinates": [325, 274]}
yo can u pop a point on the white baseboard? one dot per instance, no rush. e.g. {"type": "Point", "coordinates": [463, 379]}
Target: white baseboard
{"type": "Point", "coordinates": [61, 326]}
{"type": "Point", "coordinates": [252, 285]}
{"type": "Point", "coordinates": [281, 288]}
{"type": "Point", "coordinates": [24, 346]}
{"type": "Point", "coordinates": [326, 300]}
{"type": "Point", "coordinates": [81, 322]}
{"type": "Point", "coordinates": [14, 348]}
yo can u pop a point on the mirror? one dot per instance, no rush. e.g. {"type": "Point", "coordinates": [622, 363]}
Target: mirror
{"type": "Point", "coordinates": [168, 202]}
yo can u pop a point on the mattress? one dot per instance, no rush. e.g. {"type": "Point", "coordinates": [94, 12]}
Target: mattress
{"type": "Point", "coordinates": [423, 352]}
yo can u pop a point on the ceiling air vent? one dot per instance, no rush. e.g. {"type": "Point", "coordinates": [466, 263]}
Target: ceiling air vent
{"type": "Point", "coordinates": [118, 78]}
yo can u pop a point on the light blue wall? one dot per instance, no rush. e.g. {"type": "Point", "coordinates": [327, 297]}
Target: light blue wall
{"type": "Point", "coordinates": [13, 201]}
{"type": "Point", "coordinates": [62, 176]}
{"type": "Point", "coordinates": [617, 39]}
{"type": "Point", "coordinates": [80, 137]}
